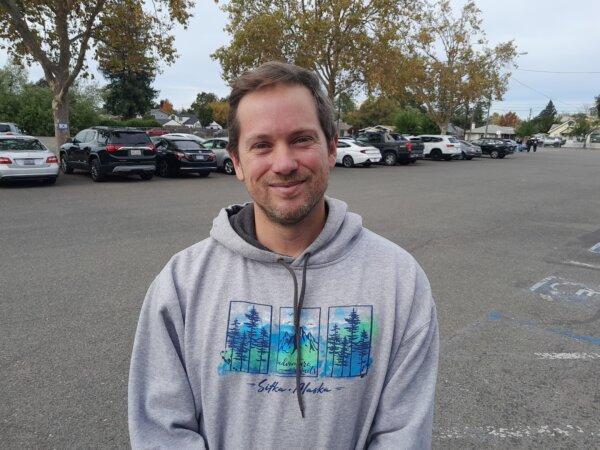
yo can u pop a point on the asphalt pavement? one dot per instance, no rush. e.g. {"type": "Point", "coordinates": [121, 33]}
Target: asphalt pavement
{"type": "Point", "coordinates": [507, 245]}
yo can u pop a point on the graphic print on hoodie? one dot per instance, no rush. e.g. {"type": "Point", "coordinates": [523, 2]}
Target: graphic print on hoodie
{"type": "Point", "coordinates": [214, 358]}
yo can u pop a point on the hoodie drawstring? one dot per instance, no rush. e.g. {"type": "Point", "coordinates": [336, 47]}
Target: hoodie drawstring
{"type": "Point", "coordinates": [298, 302]}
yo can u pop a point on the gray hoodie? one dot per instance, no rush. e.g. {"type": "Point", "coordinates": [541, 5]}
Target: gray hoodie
{"type": "Point", "coordinates": [225, 323]}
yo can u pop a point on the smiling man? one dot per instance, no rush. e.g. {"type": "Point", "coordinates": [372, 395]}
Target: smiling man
{"type": "Point", "coordinates": [292, 325]}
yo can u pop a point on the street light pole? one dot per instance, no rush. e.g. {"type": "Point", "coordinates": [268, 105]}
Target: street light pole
{"type": "Point", "coordinates": [487, 120]}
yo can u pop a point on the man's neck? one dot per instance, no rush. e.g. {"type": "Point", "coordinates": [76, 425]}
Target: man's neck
{"type": "Point", "coordinates": [290, 240]}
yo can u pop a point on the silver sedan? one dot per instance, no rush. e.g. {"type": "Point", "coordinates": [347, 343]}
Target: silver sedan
{"type": "Point", "coordinates": [26, 158]}
{"type": "Point", "coordinates": [219, 146]}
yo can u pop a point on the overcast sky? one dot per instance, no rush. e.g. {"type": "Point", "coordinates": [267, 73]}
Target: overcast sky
{"type": "Point", "coordinates": [558, 35]}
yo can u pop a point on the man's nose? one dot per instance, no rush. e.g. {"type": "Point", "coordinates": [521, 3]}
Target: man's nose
{"type": "Point", "coordinates": [284, 161]}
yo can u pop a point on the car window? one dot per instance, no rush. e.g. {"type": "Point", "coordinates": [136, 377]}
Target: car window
{"type": "Point", "coordinates": [102, 137]}
{"type": "Point", "coordinates": [79, 137]}
{"type": "Point", "coordinates": [15, 145]}
{"type": "Point", "coordinates": [388, 138]}
{"type": "Point", "coordinates": [453, 140]}
{"type": "Point", "coordinates": [437, 139]}
{"type": "Point", "coordinates": [221, 144]}
{"type": "Point", "coordinates": [342, 144]}
{"type": "Point", "coordinates": [187, 145]}
{"type": "Point", "coordinates": [208, 144]}
{"type": "Point", "coordinates": [129, 138]}
{"type": "Point", "coordinates": [4, 128]}
{"type": "Point", "coordinates": [90, 136]}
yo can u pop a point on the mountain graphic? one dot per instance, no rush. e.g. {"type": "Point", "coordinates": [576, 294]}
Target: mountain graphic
{"type": "Point", "coordinates": [287, 342]}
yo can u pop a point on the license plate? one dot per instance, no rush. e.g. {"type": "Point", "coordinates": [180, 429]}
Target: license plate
{"type": "Point", "coordinates": [199, 157]}
{"type": "Point", "coordinates": [135, 152]}
{"type": "Point", "coordinates": [29, 162]}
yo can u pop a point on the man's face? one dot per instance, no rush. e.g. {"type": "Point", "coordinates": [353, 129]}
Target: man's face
{"type": "Point", "coordinates": [283, 157]}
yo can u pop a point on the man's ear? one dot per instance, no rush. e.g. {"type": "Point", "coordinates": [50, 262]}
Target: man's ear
{"type": "Point", "coordinates": [332, 151]}
{"type": "Point", "coordinates": [235, 158]}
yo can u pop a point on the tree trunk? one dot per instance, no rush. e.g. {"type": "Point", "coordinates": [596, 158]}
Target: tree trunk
{"type": "Point", "coordinates": [443, 127]}
{"type": "Point", "coordinates": [60, 112]}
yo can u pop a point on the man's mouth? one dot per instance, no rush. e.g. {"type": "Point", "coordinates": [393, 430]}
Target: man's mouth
{"type": "Point", "coordinates": [287, 188]}
{"type": "Point", "coordinates": [286, 184]}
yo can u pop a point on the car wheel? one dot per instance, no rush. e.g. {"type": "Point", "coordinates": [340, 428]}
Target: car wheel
{"type": "Point", "coordinates": [163, 169]}
{"type": "Point", "coordinates": [146, 176]}
{"type": "Point", "coordinates": [64, 164]}
{"type": "Point", "coordinates": [203, 174]}
{"type": "Point", "coordinates": [501, 155]}
{"type": "Point", "coordinates": [347, 161]}
{"type": "Point", "coordinates": [494, 154]}
{"type": "Point", "coordinates": [96, 171]}
{"type": "Point", "coordinates": [390, 159]}
{"type": "Point", "coordinates": [228, 167]}
{"type": "Point", "coordinates": [436, 154]}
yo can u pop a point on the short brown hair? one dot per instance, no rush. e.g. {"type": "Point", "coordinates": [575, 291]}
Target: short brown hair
{"type": "Point", "coordinates": [271, 74]}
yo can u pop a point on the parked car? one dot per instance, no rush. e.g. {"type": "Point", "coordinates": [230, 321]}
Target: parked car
{"type": "Point", "coordinates": [512, 144]}
{"type": "Point", "coordinates": [351, 152]}
{"type": "Point", "coordinates": [104, 151]}
{"type": "Point", "coordinates": [393, 151]}
{"type": "Point", "coordinates": [25, 157]}
{"type": "Point", "coordinates": [440, 146]}
{"type": "Point", "coordinates": [553, 141]}
{"type": "Point", "coordinates": [156, 132]}
{"type": "Point", "coordinates": [176, 155]}
{"type": "Point", "coordinates": [184, 135]}
{"type": "Point", "coordinates": [9, 128]}
{"type": "Point", "coordinates": [469, 150]}
{"type": "Point", "coordinates": [219, 146]}
{"type": "Point", "coordinates": [496, 148]}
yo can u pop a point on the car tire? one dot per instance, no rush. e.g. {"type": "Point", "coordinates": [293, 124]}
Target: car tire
{"type": "Point", "coordinates": [501, 155]}
{"type": "Point", "coordinates": [96, 171]}
{"type": "Point", "coordinates": [163, 169]}
{"type": "Point", "coordinates": [64, 164]}
{"type": "Point", "coordinates": [228, 167]}
{"type": "Point", "coordinates": [494, 154]}
{"type": "Point", "coordinates": [436, 154]}
{"type": "Point", "coordinates": [390, 159]}
{"type": "Point", "coordinates": [146, 176]}
{"type": "Point", "coordinates": [347, 161]}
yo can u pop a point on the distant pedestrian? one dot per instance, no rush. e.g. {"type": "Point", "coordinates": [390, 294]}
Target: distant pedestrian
{"type": "Point", "coordinates": [529, 144]}
{"type": "Point", "coordinates": [535, 144]}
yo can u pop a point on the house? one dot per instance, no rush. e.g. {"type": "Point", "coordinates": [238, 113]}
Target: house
{"type": "Point", "coordinates": [214, 126]}
{"type": "Point", "coordinates": [491, 131]}
{"type": "Point", "coordinates": [561, 129]}
{"type": "Point", "coordinates": [455, 131]}
{"type": "Point", "coordinates": [191, 121]}
{"type": "Point", "coordinates": [172, 123]}
{"type": "Point", "coordinates": [159, 115]}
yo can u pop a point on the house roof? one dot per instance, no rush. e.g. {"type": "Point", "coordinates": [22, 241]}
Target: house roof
{"type": "Point", "coordinates": [191, 120]}
{"type": "Point", "coordinates": [492, 129]}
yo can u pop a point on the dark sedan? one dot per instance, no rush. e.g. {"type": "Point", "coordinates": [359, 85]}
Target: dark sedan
{"type": "Point", "coordinates": [179, 155]}
{"type": "Point", "coordinates": [496, 148]}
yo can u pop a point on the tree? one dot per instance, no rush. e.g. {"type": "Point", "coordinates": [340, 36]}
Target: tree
{"type": "Point", "coordinates": [582, 127]}
{"type": "Point", "coordinates": [166, 106]}
{"type": "Point", "coordinates": [338, 39]}
{"type": "Point", "coordinates": [374, 111]}
{"type": "Point", "coordinates": [129, 93]}
{"type": "Point", "coordinates": [353, 321]}
{"type": "Point", "coordinates": [526, 128]}
{"type": "Point", "coordinates": [201, 107]}
{"type": "Point", "coordinates": [598, 106]}
{"type": "Point", "coordinates": [220, 112]}
{"type": "Point", "coordinates": [364, 347]}
{"type": "Point", "coordinates": [59, 34]}
{"type": "Point", "coordinates": [241, 350]}
{"type": "Point", "coordinates": [414, 121]}
{"type": "Point", "coordinates": [546, 117]}
{"type": "Point", "coordinates": [342, 355]}
{"type": "Point", "coordinates": [263, 345]}
{"type": "Point", "coordinates": [233, 336]}
{"type": "Point", "coordinates": [333, 343]}
{"type": "Point", "coordinates": [252, 326]}
{"type": "Point", "coordinates": [510, 119]}
{"type": "Point", "coordinates": [452, 62]}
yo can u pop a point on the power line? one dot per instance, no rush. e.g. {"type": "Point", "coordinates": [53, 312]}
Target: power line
{"type": "Point", "coordinates": [559, 71]}
{"type": "Point", "coordinates": [541, 93]}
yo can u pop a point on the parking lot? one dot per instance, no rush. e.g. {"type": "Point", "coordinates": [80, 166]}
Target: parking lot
{"type": "Point", "coordinates": [506, 244]}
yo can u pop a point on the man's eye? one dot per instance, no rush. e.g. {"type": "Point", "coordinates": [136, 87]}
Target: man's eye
{"type": "Point", "coordinates": [261, 145]}
{"type": "Point", "coordinates": [304, 139]}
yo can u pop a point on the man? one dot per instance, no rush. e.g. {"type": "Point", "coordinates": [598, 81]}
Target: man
{"type": "Point", "coordinates": [291, 326]}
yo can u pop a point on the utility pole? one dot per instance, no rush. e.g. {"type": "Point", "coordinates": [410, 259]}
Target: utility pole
{"type": "Point", "coordinates": [487, 120]}
{"type": "Point", "coordinates": [529, 118]}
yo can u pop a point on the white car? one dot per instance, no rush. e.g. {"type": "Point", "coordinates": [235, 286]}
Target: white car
{"type": "Point", "coordinates": [25, 157]}
{"type": "Point", "coordinates": [9, 128]}
{"type": "Point", "coordinates": [183, 136]}
{"type": "Point", "coordinates": [351, 152]}
{"type": "Point", "coordinates": [440, 146]}
{"type": "Point", "coordinates": [219, 147]}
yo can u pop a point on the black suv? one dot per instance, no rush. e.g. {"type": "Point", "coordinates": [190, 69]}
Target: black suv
{"type": "Point", "coordinates": [393, 151]}
{"type": "Point", "coordinates": [109, 150]}
{"type": "Point", "coordinates": [496, 148]}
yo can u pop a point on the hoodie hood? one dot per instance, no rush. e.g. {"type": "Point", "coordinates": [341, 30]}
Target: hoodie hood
{"type": "Point", "coordinates": [341, 232]}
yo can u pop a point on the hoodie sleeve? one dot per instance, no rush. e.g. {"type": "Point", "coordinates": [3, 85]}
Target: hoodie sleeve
{"type": "Point", "coordinates": [162, 411]}
{"type": "Point", "coordinates": [404, 415]}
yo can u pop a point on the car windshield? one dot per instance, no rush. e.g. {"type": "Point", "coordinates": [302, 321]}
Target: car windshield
{"type": "Point", "coordinates": [12, 145]}
{"type": "Point", "coordinates": [357, 143]}
{"type": "Point", "coordinates": [188, 145]}
{"type": "Point", "coordinates": [4, 128]}
{"type": "Point", "coordinates": [129, 138]}
{"type": "Point", "coordinates": [453, 140]}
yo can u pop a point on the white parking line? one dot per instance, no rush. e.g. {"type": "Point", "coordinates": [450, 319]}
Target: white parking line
{"type": "Point", "coordinates": [568, 355]}
{"type": "Point", "coordinates": [513, 432]}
